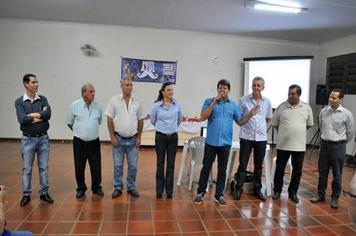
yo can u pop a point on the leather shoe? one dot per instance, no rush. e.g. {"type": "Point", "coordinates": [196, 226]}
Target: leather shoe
{"type": "Point", "coordinates": [276, 196]}
{"type": "Point", "coordinates": [236, 195]}
{"type": "Point", "coordinates": [45, 197]}
{"type": "Point", "coordinates": [334, 203]}
{"type": "Point", "coordinates": [99, 192]}
{"type": "Point", "coordinates": [158, 195]}
{"type": "Point", "coordinates": [169, 195]}
{"type": "Point", "coordinates": [80, 194]}
{"type": "Point", "coordinates": [317, 199]}
{"type": "Point", "coordinates": [116, 193]}
{"type": "Point", "coordinates": [294, 197]}
{"type": "Point", "coordinates": [25, 200]}
{"type": "Point", "coordinates": [260, 195]}
{"type": "Point", "coordinates": [133, 193]}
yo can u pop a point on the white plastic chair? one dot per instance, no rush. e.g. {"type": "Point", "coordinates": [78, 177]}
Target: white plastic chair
{"type": "Point", "coordinates": [289, 163]}
{"type": "Point", "coordinates": [196, 151]}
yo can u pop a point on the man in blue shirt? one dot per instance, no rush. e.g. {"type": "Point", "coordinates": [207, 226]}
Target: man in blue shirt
{"type": "Point", "coordinates": [33, 113]}
{"type": "Point", "coordinates": [84, 118]}
{"type": "Point", "coordinates": [221, 112]}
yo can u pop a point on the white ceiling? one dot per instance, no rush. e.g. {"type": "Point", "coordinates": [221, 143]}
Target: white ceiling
{"type": "Point", "coordinates": [325, 19]}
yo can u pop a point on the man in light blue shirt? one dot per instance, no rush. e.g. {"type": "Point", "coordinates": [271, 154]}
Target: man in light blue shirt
{"type": "Point", "coordinates": [221, 112]}
{"type": "Point", "coordinates": [84, 118]}
{"type": "Point", "coordinates": [253, 135]}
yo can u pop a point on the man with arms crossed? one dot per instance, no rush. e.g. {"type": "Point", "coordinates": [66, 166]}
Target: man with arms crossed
{"type": "Point", "coordinates": [253, 135]}
{"type": "Point", "coordinates": [33, 113]}
{"type": "Point", "coordinates": [84, 118]}
{"type": "Point", "coordinates": [337, 129]}
{"type": "Point", "coordinates": [125, 123]}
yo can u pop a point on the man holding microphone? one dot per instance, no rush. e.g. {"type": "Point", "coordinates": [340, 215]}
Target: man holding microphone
{"type": "Point", "coordinates": [221, 112]}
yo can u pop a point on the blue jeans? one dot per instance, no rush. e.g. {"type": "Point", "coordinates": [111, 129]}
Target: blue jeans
{"type": "Point", "coordinates": [126, 147]}
{"type": "Point", "coordinates": [30, 146]}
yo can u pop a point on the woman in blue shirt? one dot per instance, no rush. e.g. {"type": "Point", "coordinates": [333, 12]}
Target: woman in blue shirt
{"type": "Point", "coordinates": [166, 116]}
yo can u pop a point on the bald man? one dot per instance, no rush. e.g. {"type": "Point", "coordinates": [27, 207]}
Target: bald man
{"type": "Point", "coordinates": [84, 118]}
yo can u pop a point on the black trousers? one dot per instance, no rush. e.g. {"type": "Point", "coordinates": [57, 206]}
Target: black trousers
{"type": "Point", "coordinates": [166, 147]}
{"type": "Point", "coordinates": [210, 153]}
{"type": "Point", "coordinates": [84, 151]}
{"type": "Point", "coordinates": [331, 155]}
{"type": "Point", "coordinates": [259, 151]}
{"type": "Point", "coordinates": [297, 165]}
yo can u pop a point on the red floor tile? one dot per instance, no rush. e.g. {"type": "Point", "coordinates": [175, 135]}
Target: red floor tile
{"type": "Point", "coordinates": [147, 215]}
{"type": "Point", "coordinates": [216, 225]}
{"type": "Point", "coordinates": [113, 227]}
{"type": "Point", "coordinates": [191, 226]}
{"type": "Point", "coordinates": [143, 227]}
{"type": "Point", "coordinates": [86, 228]}
{"type": "Point", "coordinates": [247, 233]}
{"type": "Point", "coordinates": [210, 215]}
{"type": "Point", "coordinates": [166, 227]}
{"type": "Point", "coordinates": [342, 230]}
{"type": "Point", "coordinates": [59, 228]}
{"type": "Point", "coordinates": [327, 220]}
{"type": "Point", "coordinates": [240, 224]}
{"type": "Point", "coordinates": [320, 230]}
{"type": "Point", "coordinates": [229, 214]}
{"type": "Point", "coordinates": [34, 227]}
{"type": "Point", "coordinates": [263, 223]}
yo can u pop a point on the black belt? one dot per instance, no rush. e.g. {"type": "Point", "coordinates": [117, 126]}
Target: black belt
{"type": "Point", "coordinates": [334, 142]}
{"type": "Point", "coordinates": [124, 137]}
{"type": "Point", "coordinates": [34, 135]}
{"type": "Point", "coordinates": [169, 135]}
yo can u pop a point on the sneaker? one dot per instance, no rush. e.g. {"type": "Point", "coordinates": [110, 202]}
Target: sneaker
{"type": "Point", "coordinates": [199, 198]}
{"type": "Point", "coordinates": [220, 200]}
{"type": "Point", "coordinates": [334, 203]}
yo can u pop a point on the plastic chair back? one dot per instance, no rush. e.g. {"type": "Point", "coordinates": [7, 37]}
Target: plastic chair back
{"type": "Point", "coordinates": [196, 149]}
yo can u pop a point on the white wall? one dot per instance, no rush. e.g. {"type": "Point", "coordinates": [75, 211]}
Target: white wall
{"type": "Point", "coordinates": [338, 47]}
{"type": "Point", "coordinates": [51, 50]}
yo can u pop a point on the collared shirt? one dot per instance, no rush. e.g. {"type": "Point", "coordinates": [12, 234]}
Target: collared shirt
{"type": "Point", "coordinates": [85, 119]}
{"type": "Point", "coordinates": [256, 128]}
{"type": "Point", "coordinates": [336, 125]}
{"type": "Point", "coordinates": [24, 106]}
{"type": "Point", "coordinates": [220, 122]}
{"type": "Point", "coordinates": [292, 123]}
{"type": "Point", "coordinates": [166, 119]}
{"type": "Point", "coordinates": [125, 118]}
{"type": "Point", "coordinates": [25, 97]}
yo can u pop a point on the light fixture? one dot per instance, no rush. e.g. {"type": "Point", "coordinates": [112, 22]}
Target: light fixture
{"type": "Point", "coordinates": [276, 5]}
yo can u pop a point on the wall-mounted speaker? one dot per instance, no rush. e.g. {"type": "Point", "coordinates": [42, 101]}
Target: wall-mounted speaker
{"type": "Point", "coordinates": [322, 94]}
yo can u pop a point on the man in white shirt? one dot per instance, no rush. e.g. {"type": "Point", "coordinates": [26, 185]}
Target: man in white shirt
{"type": "Point", "coordinates": [125, 123]}
{"type": "Point", "coordinates": [253, 135]}
{"type": "Point", "coordinates": [336, 129]}
{"type": "Point", "coordinates": [292, 119]}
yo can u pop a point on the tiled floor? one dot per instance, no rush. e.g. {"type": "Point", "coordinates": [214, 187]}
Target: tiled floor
{"type": "Point", "coordinates": [150, 216]}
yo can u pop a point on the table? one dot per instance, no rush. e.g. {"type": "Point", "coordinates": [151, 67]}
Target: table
{"type": "Point", "coordinates": [235, 147]}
